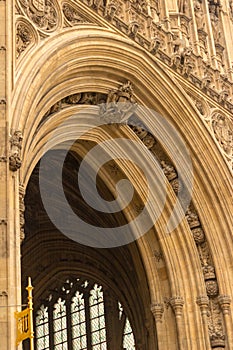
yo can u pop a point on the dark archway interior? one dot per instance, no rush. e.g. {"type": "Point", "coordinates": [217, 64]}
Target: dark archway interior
{"type": "Point", "coordinates": [49, 257]}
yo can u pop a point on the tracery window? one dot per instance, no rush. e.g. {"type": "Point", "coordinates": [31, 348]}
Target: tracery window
{"type": "Point", "coordinates": [82, 315]}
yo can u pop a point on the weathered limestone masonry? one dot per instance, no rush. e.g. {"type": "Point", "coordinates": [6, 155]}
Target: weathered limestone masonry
{"type": "Point", "coordinates": [4, 325]}
{"type": "Point", "coordinates": [175, 56]}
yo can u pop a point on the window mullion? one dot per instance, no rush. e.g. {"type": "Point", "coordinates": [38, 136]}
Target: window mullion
{"type": "Point", "coordinates": [51, 328]}
{"type": "Point", "coordinates": [69, 324]}
{"type": "Point", "coordinates": [88, 322]}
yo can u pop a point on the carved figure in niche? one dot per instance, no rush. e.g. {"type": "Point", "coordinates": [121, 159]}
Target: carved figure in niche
{"type": "Point", "coordinates": [207, 79]}
{"type": "Point", "coordinates": [215, 29]}
{"type": "Point", "coordinates": [187, 61]}
{"type": "Point", "coordinates": [142, 6]}
{"type": "Point", "coordinates": [111, 9]}
{"type": "Point", "coordinates": [23, 39]}
{"type": "Point", "coordinates": [180, 50]}
{"type": "Point", "coordinates": [182, 6]}
{"type": "Point", "coordinates": [133, 28]}
{"type": "Point", "coordinates": [71, 14]}
{"type": "Point", "coordinates": [214, 6]}
{"type": "Point", "coordinates": [199, 15]}
{"type": "Point", "coordinates": [200, 107]}
{"type": "Point", "coordinates": [119, 105]}
{"type": "Point", "coordinates": [224, 133]}
{"type": "Point", "coordinates": [155, 11]}
{"type": "Point", "coordinates": [155, 44]}
{"type": "Point", "coordinates": [231, 8]}
{"type": "Point", "coordinates": [15, 152]}
{"type": "Point", "coordinates": [73, 99]}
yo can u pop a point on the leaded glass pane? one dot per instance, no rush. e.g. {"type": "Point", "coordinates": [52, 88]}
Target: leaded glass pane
{"type": "Point", "coordinates": [60, 326]}
{"type": "Point", "coordinates": [42, 329]}
{"type": "Point", "coordinates": [98, 331]}
{"type": "Point", "coordinates": [78, 321]}
{"type": "Point", "coordinates": [128, 337]}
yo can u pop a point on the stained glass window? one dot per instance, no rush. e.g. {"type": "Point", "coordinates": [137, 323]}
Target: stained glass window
{"type": "Point", "coordinates": [97, 319]}
{"type": "Point", "coordinates": [78, 320]}
{"type": "Point", "coordinates": [42, 329]}
{"type": "Point", "coordinates": [60, 326]}
{"type": "Point", "coordinates": [128, 337]}
{"type": "Point", "coordinates": [80, 315]}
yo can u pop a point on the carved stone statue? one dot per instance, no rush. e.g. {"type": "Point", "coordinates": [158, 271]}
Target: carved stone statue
{"type": "Point", "coordinates": [182, 6]}
{"type": "Point", "coordinates": [15, 152]}
{"type": "Point", "coordinates": [199, 15]}
{"type": "Point", "coordinates": [119, 105]}
{"type": "Point", "coordinates": [224, 133]}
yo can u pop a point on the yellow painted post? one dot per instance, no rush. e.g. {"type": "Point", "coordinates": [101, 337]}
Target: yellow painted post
{"type": "Point", "coordinates": [30, 307]}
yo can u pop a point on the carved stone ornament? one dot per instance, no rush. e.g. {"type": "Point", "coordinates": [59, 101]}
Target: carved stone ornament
{"type": "Point", "coordinates": [120, 104]}
{"type": "Point", "coordinates": [169, 170]}
{"type": "Point", "coordinates": [215, 325]}
{"type": "Point", "coordinates": [209, 272]}
{"type": "Point", "coordinates": [212, 288]}
{"type": "Point", "coordinates": [157, 310]}
{"type": "Point", "coordinates": [21, 211]}
{"type": "Point", "coordinates": [72, 15]}
{"type": "Point", "coordinates": [198, 235]}
{"type": "Point", "coordinates": [199, 15]}
{"type": "Point", "coordinates": [231, 9]}
{"type": "Point", "coordinates": [42, 12]}
{"type": "Point", "coordinates": [23, 38]}
{"type": "Point", "coordinates": [111, 9]}
{"type": "Point", "coordinates": [15, 151]}
{"type": "Point", "coordinates": [223, 131]}
{"type": "Point", "coordinates": [192, 218]}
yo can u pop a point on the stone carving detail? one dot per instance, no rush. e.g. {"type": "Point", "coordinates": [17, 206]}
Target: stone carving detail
{"type": "Point", "coordinates": [158, 255]}
{"type": "Point", "coordinates": [72, 15]}
{"type": "Point", "coordinates": [212, 288]}
{"type": "Point", "coordinates": [199, 15]}
{"type": "Point", "coordinates": [231, 9]}
{"type": "Point", "coordinates": [89, 98]}
{"type": "Point", "coordinates": [209, 272]}
{"type": "Point", "coordinates": [24, 38]}
{"type": "Point", "coordinates": [21, 211]}
{"type": "Point", "coordinates": [215, 325]}
{"type": "Point", "coordinates": [181, 55]}
{"type": "Point", "coordinates": [207, 305]}
{"type": "Point", "coordinates": [169, 170]}
{"type": "Point", "coordinates": [155, 44]}
{"type": "Point", "coordinates": [192, 218]}
{"type": "Point", "coordinates": [111, 9]}
{"type": "Point", "coordinates": [198, 235]}
{"type": "Point", "coordinates": [182, 6]}
{"type": "Point", "coordinates": [157, 310]}
{"type": "Point", "coordinates": [214, 8]}
{"type": "Point", "coordinates": [15, 151]}
{"type": "Point", "coordinates": [120, 104]}
{"type": "Point", "coordinates": [223, 132]}
{"type": "Point", "coordinates": [177, 303]}
{"type": "Point", "coordinates": [43, 13]}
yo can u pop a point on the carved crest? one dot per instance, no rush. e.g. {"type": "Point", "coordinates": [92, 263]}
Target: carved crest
{"type": "Point", "coordinates": [39, 5]}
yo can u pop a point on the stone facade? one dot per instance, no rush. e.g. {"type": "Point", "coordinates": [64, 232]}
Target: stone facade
{"type": "Point", "coordinates": [154, 73]}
